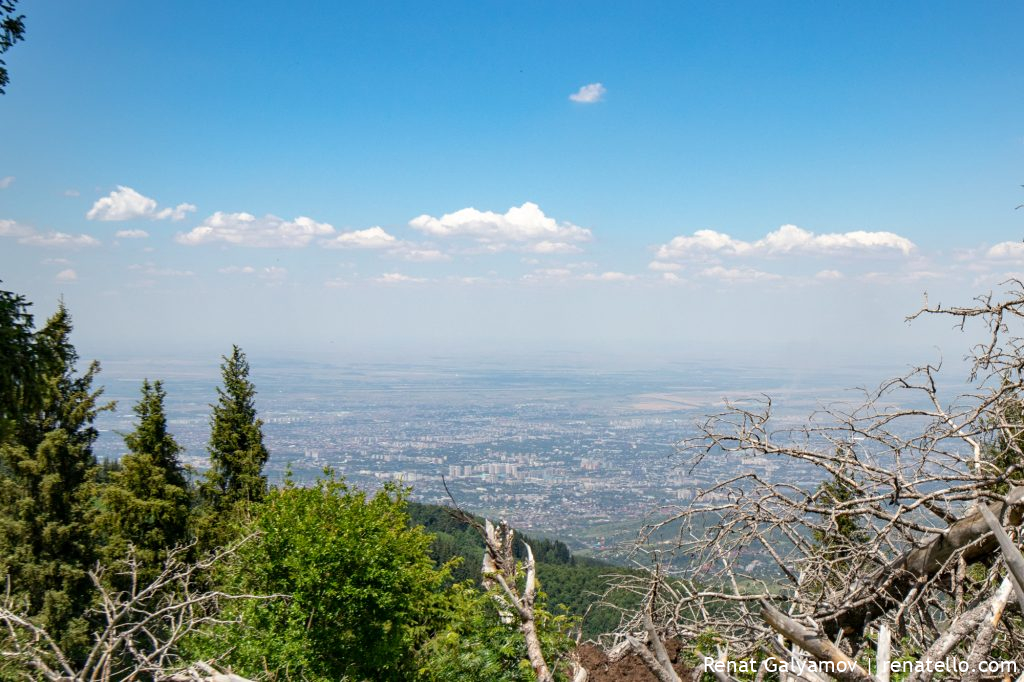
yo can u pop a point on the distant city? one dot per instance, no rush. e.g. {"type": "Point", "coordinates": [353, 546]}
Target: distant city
{"type": "Point", "coordinates": [581, 454]}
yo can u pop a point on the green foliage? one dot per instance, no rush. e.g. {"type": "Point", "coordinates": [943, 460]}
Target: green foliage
{"type": "Point", "coordinates": [361, 590]}
{"type": "Point", "coordinates": [1003, 453]}
{"type": "Point", "coordinates": [235, 479]}
{"type": "Point", "coordinates": [477, 645]}
{"type": "Point", "coordinates": [237, 453]}
{"type": "Point", "coordinates": [12, 30]}
{"type": "Point", "coordinates": [846, 530]}
{"type": "Point", "coordinates": [576, 583]}
{"type": "Point", "coordinates": [146, 502]}
{"type": "Point", "coordinates": [48, 467]}
{"type": "Point", "coordinates": [19, 387]}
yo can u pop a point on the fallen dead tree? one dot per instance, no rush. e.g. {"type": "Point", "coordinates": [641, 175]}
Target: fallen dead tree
{"type": "Point", "coordinates": [140, 626]}
{"type": "Point", "coordinates": [884, 523]}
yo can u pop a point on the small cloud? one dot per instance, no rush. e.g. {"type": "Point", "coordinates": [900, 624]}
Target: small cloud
{"type": "Point", "coordinates": [828, 275]}
{"type": "Point", "coordinates": [738, 274]}
{"type": "Point", "coordinates": [524, 228]}
{"type": "Point", "coordinates": [271, 272]}
{"type": "Point", "coordinates": [787, 240]}
{"type": "Point", "coordinates": [245, 229]}
{"type": "Point", "coordinates": [415, 255]}
{"type": "Point", "coordinates": [370, 238]}
{"type": "Point", "coordinates": [554, 247]}
{"type": "Point", "coordinates": [124, 203]}
{"type": "Point", "coordinates": [547, 274]}
{"type": "Point", "coordinates": [670, 277]}
{"type": "Point", "coordinates": [467, 281]}
{"type": "Point", "coordinates": [589, 94]}
{"type": "Point", "coordinates": [911, 276]}
{"type": "Point", "coordinates": [72, 193]}
{"type": "Point", "coordinates": [274, 273]}
{"type": "Point", "coordinates": [1007, 251]}
{"type": "Point", "coordinates": [6, 182]}
{"type": "Point", "coordinates": [59, 239]}
{"type": "Point", "coordinates": [56, 261]}
{"type": "Point", "coordinates": [11, 228]}
{"type": "Point", "coordinates": [397, 277]}
{"type": "Point", "coordinates": [336, 283]}
{"type": "Point", "coordinates": [68, 275]}
{"type": "Point", "coordinates": [661, 266]}
{"type": "Point", "coordinates": [28, 235]}
{"type": "Point", "coordinates": [150, 270]}
{"type": "Point", "coordinates": [608, 277]}
{"type": "Point", "coordinates": [131, 234]}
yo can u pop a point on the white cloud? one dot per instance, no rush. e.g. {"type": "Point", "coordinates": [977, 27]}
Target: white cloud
{"type": "Point", "coordinates": [738, 274]}
{"type": "Point", "coordinates": [131, 234]}
{"type": "Point", "coordinates": [60, 239]}
{"type": "Point", "coordinates": [468, 281]}
{"type": "Point", "coordinates": [902, 277]}
{"type": "Point", "coordinates": [1007, 251]}
{"type": "Point", "coordinates": [525, 227]}
{"type": "Point", "coordinates": [547, 275]}
{"type": "Point", "coordinates": [152, 270]}
{"type": "Point", "coordinates": [245, 229]}
{"type": "Point", "coordinates": [417, 255]}
{"type": "Point", "coordinates": [702, 242]}
{"type": "Point", "coordinates": [828, 275]}
{"type": "Point", "coordinates": [670, 277]}
{"type": "Point", "coordinates": [608, 277]}
{"type": "Point", "coordinates": [272, 272]}
{"type": "Point", "coordinates": [397, 277]}
{"type": "Point", "coordinates": [379, 238]}
{"type": "Point", "coordinates": [6, 182]}
{"type": "Point", "coordinates": [661, 266]}
{"type": "Point", "coordinates": [11, 228]}
{"type": "Point", "coordinates": [370, 238]}
{"type": "Point", "coordinates": [788, 239]}
{"type": "Point", "coordinates": [124, 203]}
{"type": "Point", "coordinates": [27, 235]}
{"type": "Point", "coordinates": [56, 261]}
{"type": "Point", "coordinates": [68, 275]}
{"type": "Point", "coordinates": [72, 193]}
{"type": "Point", "coordinates": [589, 94]}
{"type": "Point", "coordinates": [554, 247]}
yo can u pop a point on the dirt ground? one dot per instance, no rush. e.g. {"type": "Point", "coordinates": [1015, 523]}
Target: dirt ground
{"type": "Point", "coordinates": [628, 668]}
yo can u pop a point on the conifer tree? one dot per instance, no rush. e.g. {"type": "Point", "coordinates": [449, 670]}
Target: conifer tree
{"type": "Point", "coordinates": [146, 503]}
{"type": "Point", "coordinates": [18, 385]}
{"type": "Point", "coordinates": [47, 466]}
{"type": "Point", "coordinates": [237, 453]}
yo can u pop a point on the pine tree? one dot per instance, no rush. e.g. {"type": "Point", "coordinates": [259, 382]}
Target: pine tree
{"type": "Point", "coordinates": [237, 453]}
{"type": "Point", "coordinates": [146, 503]}
{"type": "Point", "coordinates": [45, 492]}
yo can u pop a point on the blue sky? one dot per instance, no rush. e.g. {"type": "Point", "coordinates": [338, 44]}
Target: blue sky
{"type": "Point", "coordinates": [666, 179]}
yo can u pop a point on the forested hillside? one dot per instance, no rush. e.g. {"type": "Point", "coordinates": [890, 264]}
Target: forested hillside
{"type": "Point", "coordinates": [577, 583]}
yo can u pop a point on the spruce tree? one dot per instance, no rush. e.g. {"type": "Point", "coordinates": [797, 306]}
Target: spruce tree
{"type": "Point", "coordinates": [45, 492]}
{"type": "Point", "coordinates": [237, 453]}
{"type": "Point", "coordinates": [19, 387]}
{"type": "Point", "coordinates": [146, 503]}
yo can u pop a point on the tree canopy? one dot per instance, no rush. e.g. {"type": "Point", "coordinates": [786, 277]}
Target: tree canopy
{"type": "Point", "coordinates": [12, 30]}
